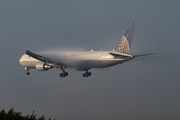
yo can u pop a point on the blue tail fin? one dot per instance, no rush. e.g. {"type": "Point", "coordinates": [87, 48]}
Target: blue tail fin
{"type": "Point", "coordinates": [124, 44]}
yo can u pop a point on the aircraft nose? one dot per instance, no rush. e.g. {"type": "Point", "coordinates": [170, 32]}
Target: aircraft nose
{"type": "Point", "coordinates": [20, 61]}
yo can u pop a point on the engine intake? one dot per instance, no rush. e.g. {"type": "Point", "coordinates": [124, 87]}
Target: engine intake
{"type": "Point", "coordinates": [41, 66]}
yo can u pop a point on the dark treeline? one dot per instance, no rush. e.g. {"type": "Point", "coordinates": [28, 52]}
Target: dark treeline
{"type": "Point", "coordinates": [11, 115]}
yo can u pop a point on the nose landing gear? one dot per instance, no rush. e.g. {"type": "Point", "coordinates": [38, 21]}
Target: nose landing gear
{"type": "Point", "coordinates": [27, 73]}
{"type": "Point", "coordinates": [27, 69]}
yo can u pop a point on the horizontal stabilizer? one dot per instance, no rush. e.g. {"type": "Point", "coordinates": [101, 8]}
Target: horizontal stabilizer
{"type": "Point", "coordinates": [119, 56]}
{"type": "Point", "coordinates": [144, 55]}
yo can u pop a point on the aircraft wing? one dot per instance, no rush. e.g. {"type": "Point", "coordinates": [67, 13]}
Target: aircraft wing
{"type": "Point", "coordinates": [43, 59]}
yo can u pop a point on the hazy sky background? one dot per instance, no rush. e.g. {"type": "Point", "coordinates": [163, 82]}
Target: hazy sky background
{"type": "Point", "coordinates": [142, 89]}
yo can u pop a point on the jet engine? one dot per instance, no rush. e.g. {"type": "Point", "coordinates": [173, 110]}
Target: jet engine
{"type": "Point", "coordinates": [41, 66]}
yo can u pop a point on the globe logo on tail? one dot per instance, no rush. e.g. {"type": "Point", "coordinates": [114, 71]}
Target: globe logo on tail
{"type": "Point", "coordinates": [123, 46]}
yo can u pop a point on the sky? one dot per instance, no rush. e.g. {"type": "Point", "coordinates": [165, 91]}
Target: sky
{"type": "Point", "coordinates": [144, 88]}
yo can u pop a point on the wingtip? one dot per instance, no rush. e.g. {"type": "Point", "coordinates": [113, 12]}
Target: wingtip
{"type": "Point", "coordinates": [27, 51]}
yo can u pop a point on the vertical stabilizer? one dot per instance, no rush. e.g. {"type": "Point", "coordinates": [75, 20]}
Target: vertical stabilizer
{"type": "Point", "coordinates": [124, 44]}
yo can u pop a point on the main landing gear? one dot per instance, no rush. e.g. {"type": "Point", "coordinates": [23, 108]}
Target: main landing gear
{"type": "Point", "coordinates": [27, 69]}
{"type": "Point", "coordinates": [86, 74]}
{"type": "Point", "coordinates": [63, 74]}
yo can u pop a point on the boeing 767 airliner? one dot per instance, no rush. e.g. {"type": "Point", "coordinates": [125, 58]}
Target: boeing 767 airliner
{"type": "Point", "coordinates": [81, 60]}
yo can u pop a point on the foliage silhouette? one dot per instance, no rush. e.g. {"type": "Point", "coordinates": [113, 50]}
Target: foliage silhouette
{"type": "Point", "coordinates": [11, 115]}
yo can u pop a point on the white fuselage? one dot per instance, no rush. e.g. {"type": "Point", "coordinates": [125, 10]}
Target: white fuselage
{"type": "Point", "coordinates": [78, 59]}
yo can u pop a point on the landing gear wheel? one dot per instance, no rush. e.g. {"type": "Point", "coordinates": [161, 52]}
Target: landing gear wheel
{"type": "Point", "coordinates": [89, 73]}
{"type": "Point", "coordinates": [64, 74]}
{"type": "Point", "coordinates": [27, 73]}
{"type": "Point", "coordinates": [84, 75]}
{"type": "Point", "coordinates": [60, 75]}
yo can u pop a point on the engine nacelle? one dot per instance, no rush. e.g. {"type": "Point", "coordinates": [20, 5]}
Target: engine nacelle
{"type": "Point", "coordinates": [41, 66]}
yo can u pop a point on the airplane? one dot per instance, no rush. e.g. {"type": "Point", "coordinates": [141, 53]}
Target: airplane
{"type": "Point", "coordinates": [81, 60]}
